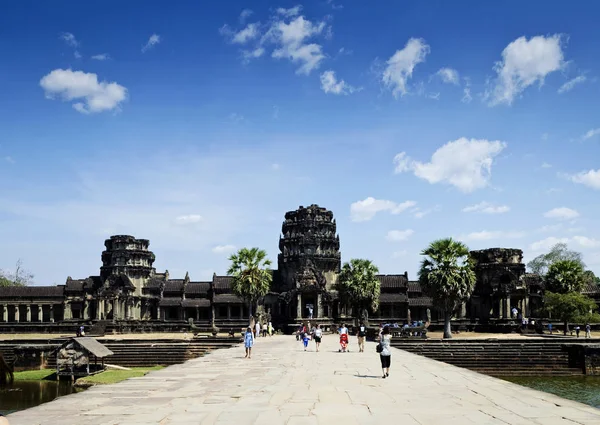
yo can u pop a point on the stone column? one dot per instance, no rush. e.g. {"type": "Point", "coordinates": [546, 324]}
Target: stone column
{"type": "Point", "coordinates": [116, 310]}
{"type": "Point", "coordinates": [40, 313]}
{"type": "Point", "coordinates": [85, 309]}
{"type": "Point", "coordinates": [320, 311]}
{"type": "Point", "coordinates": [228, 311]}
{"type": "Point", "coordinates": [67, 310]}
{"type": "Point", "coordinates": [526, 311]}
{"type": "Point", "coordinates": [507, 312]}
{"type": "Point", "coordinates": [463, 311]}
{"type": "Point", "coordinates": [17, 314]}
{"type": "Point", "coordinates": [299, 307]}
{"type": "Point", "coordinates": [5, 313]}
{"type": "Point", "coordinates": [28, 317]}
{"type": "Point", "coordinates": [51, 313]}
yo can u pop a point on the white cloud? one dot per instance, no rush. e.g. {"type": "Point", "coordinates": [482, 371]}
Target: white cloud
{"type": "Point", "coordinates": [290, 40]}
{"type": "Point", "coordinates": [9, 159]}
{"type": "Point", "coordinates": [101, 57]}
{"type": "Point", "coordinates": [487, 208]}
{"type": "Point", "coordinates": [449, 75]}
{"type": "Point", "coordinates": [551, 228]}
{"type": "Point", "coordinates": [72, 85]}
{"type": "Point", "coordinates": [152, 41]}
{"type": "Point", "coordinates": [590, 134]}
{"type": "Point", "coordinates": [569, 85]}
{"type": "Point", "coordinates": [546, 165]}
{"type": "Point", "coordinates": [291, 12]}
{"type": "Point", "coordinates": [246, 13]}
{"type": "Point", "coordinates": [222, 249]}
{"type": "Point", "coordinates": [489, 235]}
{"type": "Point", "coordinates": [467, 98]}
{"type": "Point", "coordinates": [401, 65]}
{"type": "Point", "coordinates": [275, 166]}
{"type": "Point", "coordinates": [419, 213]}
{"type": "Point", "coordinates": [524, 63]}
{"type": "Point", "coordinates": [589, 178]}
{"type": "Point", "coordinates": [399, 235]}
{"type": "Point", "coordinates": [69, 39]}
{"type": "Point", "coordinates": [562, 213]}
{"type": "Point", "coordinates": [188, 219]}
{"type": "Point", "coordinates": [463, 163]}
{"type": "Point", "coordinates": [252, 54]}
{"type": "Point", "coordinates": [366, 209]}
{"type": "Point", "coordinates": [547, 243]}
{"type": "Point", "coordinates": [250, 32]}
{"type": "Point", "coordinates": [77, 54]}
{"type": "Point", "coordinates": [329, 84]}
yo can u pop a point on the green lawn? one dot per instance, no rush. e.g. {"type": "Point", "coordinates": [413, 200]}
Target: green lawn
{"type": "Point", "coordinates": [114, 376]}
{"type": "Point", "coordinates": [34, 375]}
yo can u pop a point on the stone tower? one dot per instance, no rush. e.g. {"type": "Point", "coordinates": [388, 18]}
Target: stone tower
{"type": "Point", "coordinates": [127, 256]}
{"type": "Point", "coordinates": [310, 248]}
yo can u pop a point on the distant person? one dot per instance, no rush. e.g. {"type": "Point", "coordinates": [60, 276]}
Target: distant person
{"type": "Point", "coordinates": [248, 342]}
{"type": "Point", "coordinates": [310, 312]}
{"type": "Point", "coordinates": [577, 329]}
{"type": "Point", "coordinates": [343, 338]}
{"type": "Point", "coordinates": [550, 328]}
{"type": "Point", "coordinates": [361, 334]}
{"type": "Point", "coordinates": [305, 339]}
{"type": "Point", "coordinates": [257, 328]}
{"type": "Point", "coordinates": [270, 329]}
{"type": "Point", "coordinates": [318, 335]}
{"type": "Point", "coordinates": [265, 328]}
{"type": "Point", "coordinates": [588, 331]}
{"type": "Point", "coordinates": [514, 312]}
{"type": "Point", "coordinates": [385, 355]}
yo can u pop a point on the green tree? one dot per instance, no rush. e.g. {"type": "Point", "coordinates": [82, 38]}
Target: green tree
{"type": "Point", "coordinates": [591, 278]}
{"type": "Point", "coordinates": [447, 276]}
{"type": "Point", "coordinates": [559, 252]}
{"type": "Point", "coordinates": [565, 276]}
{"type": "Point", "coordinates": [570, 307]}
{"type": "Point", "coordinates": [20, 277]}
{"type": "Point", "coordinates": [251, 275]}
{"type": "Point", "coordinates": [358, 286]}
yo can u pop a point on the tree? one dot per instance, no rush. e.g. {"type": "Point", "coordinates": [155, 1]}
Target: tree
{"type": "Point", "coordinates": [565, 276]}
{"type": "Point", "coordinates": [591, 278]}
{"type": "Point", "coordinates": [447, 276]}
{"type": "Point", "coordinates": [358, 286]}
{"type": "Point", "coordinates": [21, 276]}
{"type": "Point", "coordinates": [541, 264]}
{"type": "Point", "coordinates": [251, 276]}
{"type": "Point", "coordinates": [570, 307]}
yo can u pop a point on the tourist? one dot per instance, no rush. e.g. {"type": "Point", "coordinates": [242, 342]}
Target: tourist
{"type": "Point", "coordinates": [514, 312]}
{"type": "Point", "coordinates": [270, 329]}
{"type": "Point", "coordinates": [264, 330]}
{"type": "Point", "coordinates": [343, 338]}
{"type": "Point", "coordinates": [305, 339]}
{"type": "Point", "coordinates": [248, 342]}
{"type": "Point", "coordinates": [385, 355]}
{"type": "Point", "coordinates": [362, 333]}
{"type": "Point", "coordinates": [318, 334]}
{"type": "Point", "coordinates": [577, 328]}
{"type": "Point", "coordinates": [550, 328]}
{"type": "Point", "coordinates": [588, 329]}
{"type": "Point", "coordinates": [257, 328]}
{"type": "Point", "coordinates": [310, 312]}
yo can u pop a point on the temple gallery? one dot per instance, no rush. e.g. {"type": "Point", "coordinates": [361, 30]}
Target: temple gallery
{"type": "Point", "coordinates": [128, 287]}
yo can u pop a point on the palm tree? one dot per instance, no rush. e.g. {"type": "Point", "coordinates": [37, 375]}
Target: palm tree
{"type": "Point", "coordinates": [251, 276]}
{"type": "Point", "coordinates": [358, 286]}
{"type": "Point", "coordinates": [447, 276]}
{"type": "Point", "coordinates": [565, 276]}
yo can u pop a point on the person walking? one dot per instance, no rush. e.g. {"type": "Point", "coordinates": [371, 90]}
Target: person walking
{"type": "Point", "coordinates": [265, 328]}
{"type": "Point", "coordinates": [248, 342]}
{"type": "Point", "coordinates": [270, 329]}
{"type": "Point", "coordinates": [588, 331]}
{"type": "Point", "coordinates": [305, 339]}
{"type": "Point", "coordinates": [318, 335]}
{"type": "Point", "coordinates": [385, 355]}
{"type": "Point", "coordinates": [257, 329]}
{"type": "Point", "coordinates": [362, 333]}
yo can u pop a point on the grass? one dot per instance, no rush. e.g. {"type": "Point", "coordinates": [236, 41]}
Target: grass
{"type": "Point", "coordinates": [114, 376]}
{"type": "Point", "coordinates": [34, 375]}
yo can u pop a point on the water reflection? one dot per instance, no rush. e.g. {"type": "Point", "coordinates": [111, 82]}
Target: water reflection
{"type": "Point", "coordinates": [26, 394]}
{"type": "Point", "coordinates": [584, 389]}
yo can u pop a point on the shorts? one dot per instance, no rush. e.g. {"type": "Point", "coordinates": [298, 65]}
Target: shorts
{"type": "Point", "coordinates": [361, 340]}
{"type": "Point", "coordinates": [318, 339]}
{"type": "Point", "coordinates": [386, 361]}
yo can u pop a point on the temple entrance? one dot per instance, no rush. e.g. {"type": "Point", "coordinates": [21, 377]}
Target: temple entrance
{"type": "Point", "coordinates": [309, 306]}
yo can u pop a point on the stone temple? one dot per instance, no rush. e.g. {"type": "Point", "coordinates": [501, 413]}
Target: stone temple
{"type": "Point", "coordinates": [130, 293]}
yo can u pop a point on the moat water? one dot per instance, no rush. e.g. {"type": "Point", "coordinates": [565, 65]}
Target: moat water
{"type": "Point", "coordinates": [26, 394]}
{"type": "Point", "coordinates": [584, 389]}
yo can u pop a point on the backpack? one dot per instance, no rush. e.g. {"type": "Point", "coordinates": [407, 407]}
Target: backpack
{"type": "Point", "coordinates": [379, 348]}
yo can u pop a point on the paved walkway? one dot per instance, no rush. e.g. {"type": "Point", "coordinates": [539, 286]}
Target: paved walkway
{"type": "Point", "coordinates": [282, 384]}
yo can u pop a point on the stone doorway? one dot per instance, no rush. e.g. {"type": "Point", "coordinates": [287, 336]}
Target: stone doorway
{"type": "Point", "coordinates": [309, 306]}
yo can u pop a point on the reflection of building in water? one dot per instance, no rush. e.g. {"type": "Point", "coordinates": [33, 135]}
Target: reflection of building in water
{"type": "Point", "coordinates": [129, 289]}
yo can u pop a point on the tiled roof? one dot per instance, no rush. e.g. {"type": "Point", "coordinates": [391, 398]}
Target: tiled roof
{"type": "Point", "coordinates": [392, 281]}
{"type": "Point", "coordinates": [155, 283]}
{"type": "Point", "coordinates": [420, 302]}
{"type": "Point", "coordinates": [197, 288]}
{"type": "Point", "coordinates": [591, 289]}
{"type": "Point", "coordinates": [222, 284]}
{"type": "Point", "coordinates": [78, 285]}
{"type": "Point", "coordinates": [228, 299]}
{"type": "Point", "coordinates": [195, 302]}
{"type": "Point", "coordinates": [174, 285]}
{"type": "Point", "coordinates": [414, 286]}
{"type": "Point", "coordinates": [387, 298]}
{"type": "Point", "coordinates": [170, 302]}
{"type": "Point", "coordinates": [32, 291]}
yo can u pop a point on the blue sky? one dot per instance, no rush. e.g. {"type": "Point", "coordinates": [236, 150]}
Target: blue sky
{"type": "Point", "coordinates": [197, 125]}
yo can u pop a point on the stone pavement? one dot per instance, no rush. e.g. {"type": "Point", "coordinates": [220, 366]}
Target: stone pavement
{"type": "Point", "coordinates": [282, 384]}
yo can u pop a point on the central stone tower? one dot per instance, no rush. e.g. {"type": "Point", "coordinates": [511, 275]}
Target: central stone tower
{"type": "Point", "coordinates": [310, 260]}
{"type": "Point", "coordinates": [127, 256]}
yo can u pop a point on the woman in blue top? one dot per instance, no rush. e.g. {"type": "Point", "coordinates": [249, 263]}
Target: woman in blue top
{"type": "Point", "coordinates": [248, 342]}
{"type": "Point", "coordinates": [386, 355]}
